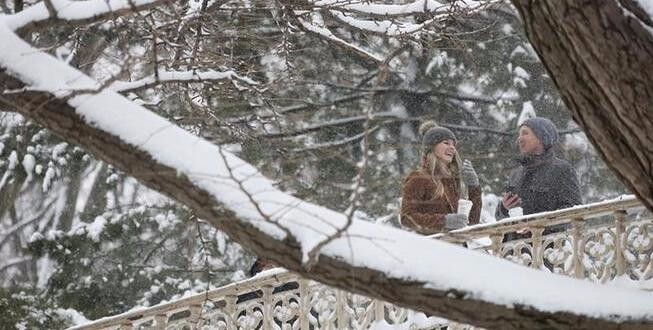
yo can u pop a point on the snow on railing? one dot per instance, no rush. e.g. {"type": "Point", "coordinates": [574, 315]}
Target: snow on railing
{"type": "Point", "coordinates": [600, 241]}
{"type": "Point", "coordinates": [274, 299]}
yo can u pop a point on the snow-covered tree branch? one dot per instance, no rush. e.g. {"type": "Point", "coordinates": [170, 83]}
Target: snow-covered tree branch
{"type": "Point", "coordinates": [74, 12]}
{"type": "Point", "coordinates": [163, 77]}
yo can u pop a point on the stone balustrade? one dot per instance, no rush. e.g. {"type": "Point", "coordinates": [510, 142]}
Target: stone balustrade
{"type": "Point", "coordinates": [275, 299]}
{"type": "Point", "coordinates": [600, 242]}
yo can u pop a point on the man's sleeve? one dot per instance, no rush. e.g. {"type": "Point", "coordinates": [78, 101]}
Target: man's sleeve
{"type": "Point", "coordinates": [569, 188]}
{"type": "Point", "coordinates": [514, 179]}
{"type": "Point", "coordinates": [501, 212]}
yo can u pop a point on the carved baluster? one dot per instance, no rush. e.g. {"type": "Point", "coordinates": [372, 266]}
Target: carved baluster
{"type": "Point", "coordinates": [497, 244]}
{"type": "Point", "coordinates": [268, 307]}
{"type": "Point", "coordinates": [304, 304]}
{"type": "Point", "coordinates": [126, 325]}
{"type": "Point", "coordinates": [195, 314]}
{"type": "Point", "coordinates": [341, 312]}
{"type": "Point", "coordinates": [160, 321]}
{"type": "Point", "coordinates": [230, 315]}
{"type": "Point", "coordinates": [620, 241]}
{"type": "Point", "coordinates": [577, 253]}
{"type": "Point", "coordinates": [379, 310]}
{"type": "Point", "coordinates": [538, 247]}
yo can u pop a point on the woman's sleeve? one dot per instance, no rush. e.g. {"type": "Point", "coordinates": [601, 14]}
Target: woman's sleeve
{"type": "Point", "coordinates": [475, 197]}
{"type": "Point", "coordinates": [413, 199]}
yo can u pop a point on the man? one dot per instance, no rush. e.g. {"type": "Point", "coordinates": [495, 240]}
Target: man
{"type": "Point", "coordinates": [544, 182]}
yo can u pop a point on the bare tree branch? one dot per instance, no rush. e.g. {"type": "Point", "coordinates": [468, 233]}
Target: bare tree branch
{"type": "Point", "coordinates": [46, 13]}
{"type": "Point", "coordinates": [176, 77]}
{"type": "Point", "coordinates": [389, 118]}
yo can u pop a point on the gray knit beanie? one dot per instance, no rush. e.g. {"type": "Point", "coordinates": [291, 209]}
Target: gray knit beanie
{"type": "Point", "coordinates": [544, 129]}
{"type": "Point", "coordinates": [433, 134]}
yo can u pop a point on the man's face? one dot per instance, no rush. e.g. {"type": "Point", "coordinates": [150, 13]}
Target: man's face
{"type": "Point", "coordinates": [528, 143]}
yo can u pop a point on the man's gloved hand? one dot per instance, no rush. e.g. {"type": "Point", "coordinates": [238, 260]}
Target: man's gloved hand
{"type": "Point", "coordinates": [469, 175]}
{"type": "Point", "coordinates": [455, 221]}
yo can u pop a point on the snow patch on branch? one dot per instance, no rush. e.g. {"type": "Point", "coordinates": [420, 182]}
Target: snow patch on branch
{"type": "Point", "coordinates": [390, 28]}
{"type": "Point", "coordinates": [326, 34]}
{"type": "Point", "coordinates": [178, 76]}
{"type": "Point", "coordinates": [366, 7]}
{"type": "Point", "coordinates": [647, 7]}
{"type": "Point", "coordinates": [70, 11]}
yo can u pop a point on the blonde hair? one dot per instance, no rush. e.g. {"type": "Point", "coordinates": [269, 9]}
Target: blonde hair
{"type": "Point", "coordinates": [434, 170]}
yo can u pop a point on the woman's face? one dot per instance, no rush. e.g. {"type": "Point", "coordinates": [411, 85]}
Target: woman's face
{"type": "Point", "coordinates": [445, 151]}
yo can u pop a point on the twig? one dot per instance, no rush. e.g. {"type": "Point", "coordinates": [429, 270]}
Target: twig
{"type": "Point", "coordinates": [354, 198]}
{"type": "Point", "coordinates": [250, 197]}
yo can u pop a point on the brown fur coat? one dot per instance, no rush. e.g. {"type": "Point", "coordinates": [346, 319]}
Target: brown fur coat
{"type": "Point", "coordinates": [425, 214]}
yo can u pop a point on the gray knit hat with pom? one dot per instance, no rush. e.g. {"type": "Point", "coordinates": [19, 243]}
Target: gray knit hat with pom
{"type": "Point", "coordinates": [433, 134]}
{"type": "Point", "coordinates": [544, 129]}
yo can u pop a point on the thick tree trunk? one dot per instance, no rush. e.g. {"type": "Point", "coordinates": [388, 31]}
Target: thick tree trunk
{"type": "Point", "coordinates": [600, 55]}
{"type": "Point", "coordinates": [60, 118]}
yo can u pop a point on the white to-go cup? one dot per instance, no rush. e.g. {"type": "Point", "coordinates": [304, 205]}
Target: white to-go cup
{"type": "Point", "coordinates": [464, 207]}
{"type": "Point", "coordinates": [515, 212]}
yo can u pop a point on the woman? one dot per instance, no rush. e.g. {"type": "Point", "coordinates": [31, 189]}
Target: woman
{"type": "Point", "coordinates": [430, 194]}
